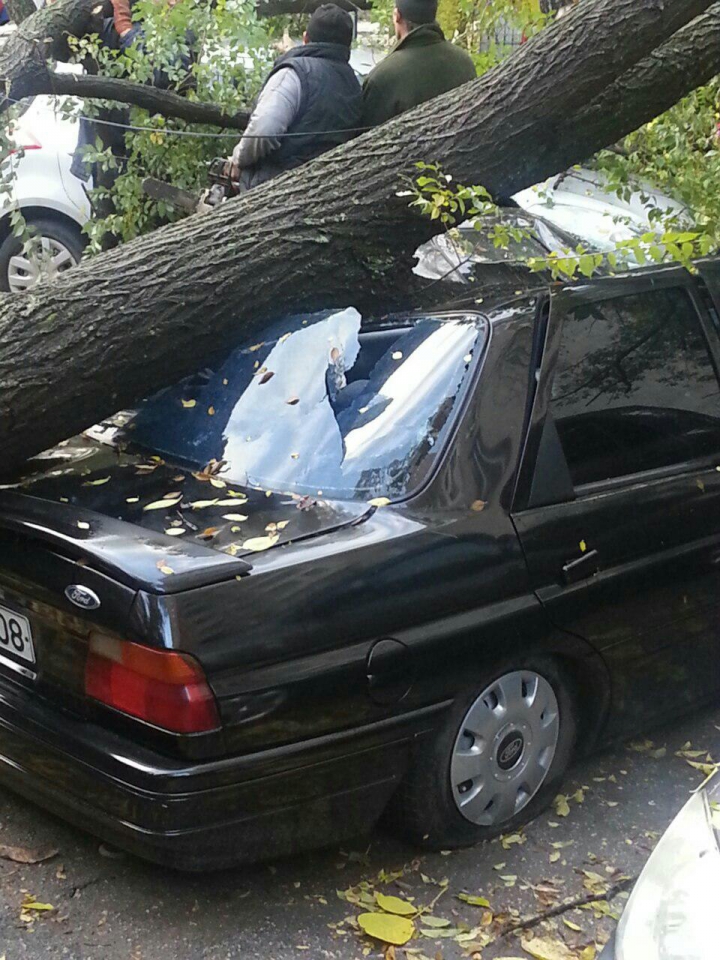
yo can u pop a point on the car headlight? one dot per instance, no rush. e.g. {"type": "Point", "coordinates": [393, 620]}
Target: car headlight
{"type": "Point", "coordinates": [672, 912]}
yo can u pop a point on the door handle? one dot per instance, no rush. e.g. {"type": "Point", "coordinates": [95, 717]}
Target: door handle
{"type": "Point", "coordinates": [581, 568]}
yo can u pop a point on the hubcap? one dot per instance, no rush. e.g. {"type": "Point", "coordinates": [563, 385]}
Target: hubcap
{"type": "Point", "coordinates": [505, 747]}
{"type": "Point", "coordinates": [42, 257]}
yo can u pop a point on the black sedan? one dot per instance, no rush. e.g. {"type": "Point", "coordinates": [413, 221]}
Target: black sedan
{"type": "Point", "coordinates": [406, 566]}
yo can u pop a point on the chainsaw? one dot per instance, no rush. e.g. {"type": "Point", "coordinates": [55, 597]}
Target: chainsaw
{"type": "Point", "coordinates": [220, 188]}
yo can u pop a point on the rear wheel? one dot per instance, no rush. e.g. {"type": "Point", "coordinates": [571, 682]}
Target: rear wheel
{"type": "Point", "coordinates": [496, 763]}
{"type": "Point", "coordinates": [55, 248]}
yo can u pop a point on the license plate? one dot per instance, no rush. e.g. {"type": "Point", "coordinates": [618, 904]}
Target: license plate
{"type": "Point", "coordinates": [16, 635]}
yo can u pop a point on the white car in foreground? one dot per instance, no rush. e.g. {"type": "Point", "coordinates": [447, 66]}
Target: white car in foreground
{"type": "Point", "coordinates": [671, 912]}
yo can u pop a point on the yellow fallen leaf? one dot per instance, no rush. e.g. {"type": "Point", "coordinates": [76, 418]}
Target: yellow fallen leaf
{"type": "Point", "coordinates": [220, 484]}
{"type": "Point", "coordinates": [387, 927]}
{"type": "Point", "coordinates": [236, 517]}
{"type": "Point", "coordinates": [395, 905]}
{"type": "Point", "coordinates": [473, 901]}
{"type": "Point", "coordinates": [707, 768]}
{"type": "Point", "coordinates": [161, 504]}
{"type": "Point", "coordinates": [189, 404]}
{"type": "Point", "coordinates": [379, 502]}
{"type": "Point", "coordinates": [583, 546]}
{"type": "Point", "coordinates": [175, 531]}
{"type": "Point", "coordinates": [164, 568]}
{"type": "Point", "coordinates": [96, 483]}
{"type": "Point", "coordinates": [256, 544]}
{"type": "Point", "coordinates": [543, 949]}
{"type": "Point", "coordinates": [230, 503]}
{"type": "Point", "coordinates": [83, 525]}
{"type": "Point", "coordinates": [201, 504]}
{"type": "Point", "coordinates": [31, 903]}
{"type": "Point", "coordinates": [478, 505]}
{"type": "Point", "coordinates": [554, 857]}
{"type": "Point", "coordinates": [211, 411]}
{"type": "Point", "coordinates": [561, 806]}
{"type": "Point", "coordinates": [571, 925]}
{"type": "Point", "coordinates": [132, 499]}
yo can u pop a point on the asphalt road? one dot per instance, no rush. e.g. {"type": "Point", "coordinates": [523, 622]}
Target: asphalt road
{"type": "Point", "coordinates": [118, 908]}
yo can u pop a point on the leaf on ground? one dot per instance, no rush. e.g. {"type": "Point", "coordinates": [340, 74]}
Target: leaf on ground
{"type": "Point", "coordinates": [571, 925]}
{"type": "Point", "coordinates": [435, 922]}
{"type": "Point", "coordinates": [561, 806]}
{"type": "Point", "coordinates": [96, 483]}
{"type": "Point", "coordinates": [543, 949]}
{"type": "Point", "coordinates": [395, 905]}
{"type": "Point", "coordinates": [473, 901]}
{"type": "Point", "coordinates": [189, 404]}
{"type": "Point", "coordinates": [201, 504]}
{"type": "Point", "coordinates": [175, 531]}
{"type": "Point", "coordinates": [378, 502]}
{"type": "Point", "coordinates": [26, 855]}
{"type": "Point", "coordinates": [707, 768]}
{"type": "Point", "coordinates": [163, 567]}
{"type": "Point", "coordinates": [235, 517]}
{"type": "Point", "coordinates": [478, 505]}
{"type": "Point", "coordinates": [512, 838]}
{"type": "Point", "coordinates": [387, 927]}
{"type": "Point", "coordinates": [30, 903]}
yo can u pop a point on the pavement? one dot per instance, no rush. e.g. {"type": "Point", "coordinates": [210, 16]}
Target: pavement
{"type": "Point", "coordinates": [110, 906]}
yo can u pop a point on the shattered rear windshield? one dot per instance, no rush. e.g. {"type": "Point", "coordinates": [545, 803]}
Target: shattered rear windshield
{"type": "Point", "coordinates": [321, 405]}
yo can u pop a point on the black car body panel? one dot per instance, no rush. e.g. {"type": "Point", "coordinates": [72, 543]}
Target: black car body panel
{"type": "Point", "coordinates": [332, 653]}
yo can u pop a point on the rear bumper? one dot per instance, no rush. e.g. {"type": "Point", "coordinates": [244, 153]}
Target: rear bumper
{"type": "Point", "coordinates": [206, 815]}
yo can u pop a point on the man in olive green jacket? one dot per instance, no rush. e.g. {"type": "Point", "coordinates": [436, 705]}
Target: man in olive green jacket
{"type": "Point", "coordinates": [422, 65]}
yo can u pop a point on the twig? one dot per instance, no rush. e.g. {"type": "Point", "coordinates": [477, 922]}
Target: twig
{"type": "Point", "coordinates": [561, 908]}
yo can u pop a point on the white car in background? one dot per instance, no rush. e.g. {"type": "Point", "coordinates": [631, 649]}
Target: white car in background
{"type": "Point", "coordinates": [580, 202]}
{"type": "Point", "coordinates": [54, 203]}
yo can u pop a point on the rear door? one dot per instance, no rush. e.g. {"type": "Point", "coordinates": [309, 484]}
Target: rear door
{"type": "Point", "coordinates": [618, 504]}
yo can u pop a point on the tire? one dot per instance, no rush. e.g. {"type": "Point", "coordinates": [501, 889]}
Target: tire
{"type": "Point", "coordinates": [514, 751]}
{"type": "Point", "coordinates": [63, 243]}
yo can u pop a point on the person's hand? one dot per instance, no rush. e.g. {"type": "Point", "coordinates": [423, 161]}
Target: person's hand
{"type": "Point", "coordinates": [232, 167]}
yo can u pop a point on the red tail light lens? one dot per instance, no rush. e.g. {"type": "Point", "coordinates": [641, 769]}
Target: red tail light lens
{"type": "Point", "coordinates": [162, 687]}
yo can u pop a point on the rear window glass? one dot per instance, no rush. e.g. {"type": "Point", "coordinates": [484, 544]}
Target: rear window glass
{"type": "Point", "coordinates": [322, 405]}
{"type": "Point", "coordinates": [635, 388]}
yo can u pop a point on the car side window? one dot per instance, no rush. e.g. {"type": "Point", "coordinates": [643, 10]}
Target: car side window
{"type": "Point", "coordinates": [635, 388]}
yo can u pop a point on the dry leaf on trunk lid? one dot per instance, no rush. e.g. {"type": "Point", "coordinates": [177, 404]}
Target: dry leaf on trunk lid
{"type": "Point", "coordinates": [256, 544]}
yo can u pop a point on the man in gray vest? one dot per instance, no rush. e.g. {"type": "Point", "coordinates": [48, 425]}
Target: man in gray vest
{"type": "Point", "coordinates": [311, 93]}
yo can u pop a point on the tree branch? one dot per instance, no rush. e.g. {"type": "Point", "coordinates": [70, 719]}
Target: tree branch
{"type": "Point", "coordinates": [150, 98]}
{"type": "Point", "coordinates": [529, 922]}
{"type": "Point", "coordinates": [275, 8]}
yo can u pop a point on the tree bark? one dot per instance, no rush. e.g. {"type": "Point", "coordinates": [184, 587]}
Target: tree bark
{"type": "Point", "coordinates": [20, 10]}
{"type": "Point", "coordinates": [333, 233]}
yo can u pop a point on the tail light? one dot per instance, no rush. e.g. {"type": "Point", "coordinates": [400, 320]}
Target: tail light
{"type": "Point", "coordinates": [162, 687]}
{"type": "Point", "coordinates": [31, 143]}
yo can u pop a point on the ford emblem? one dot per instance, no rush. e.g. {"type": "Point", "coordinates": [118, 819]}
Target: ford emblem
{"type": "Point", "coordinates": [82, 597]}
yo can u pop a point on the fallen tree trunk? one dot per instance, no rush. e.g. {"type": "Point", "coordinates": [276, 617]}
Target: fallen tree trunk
{"type": "Point", "coordinates": [332, 233]}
